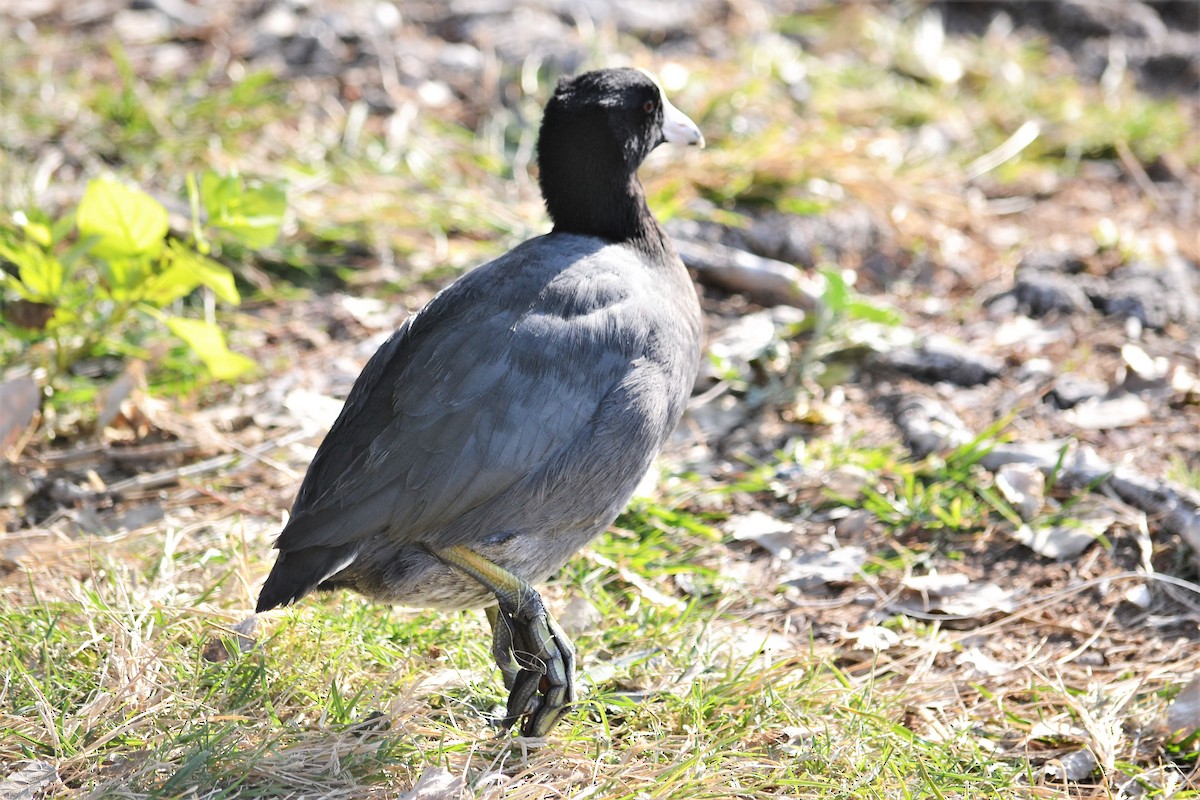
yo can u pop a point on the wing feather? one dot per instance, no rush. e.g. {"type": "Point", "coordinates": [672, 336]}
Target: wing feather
{"type": "Point", "coordinates": [500, 371]}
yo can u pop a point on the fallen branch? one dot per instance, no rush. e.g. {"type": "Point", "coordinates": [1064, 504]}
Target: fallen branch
{"type": "Point", "coordinates": [763, 280]}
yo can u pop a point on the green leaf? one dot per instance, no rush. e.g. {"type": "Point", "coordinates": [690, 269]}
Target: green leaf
{"type": "Point", "coordinates": [253, 215]}
{"type": "Point", "coordinates": [40, 274]}
{"type": "Point", "coordinates": [836, 293]}
{"type": "Point", "coordinates": [207, 341]}
{"type": "Point", "coordinates": [176, 281]}
{"type": "Point", "coordinates": [125, 277]}
{"type": "Point", "coordinates": [208, 272]}
{"type": "Point", "coordinates": [38, 230]}
{"type": "Point", "coordinates": [218, 191]}
{"type": "Point", "coordinates": [125, 221]}
{"type": "Point", "coordinates": [187, 270]}
{"type": "Point", "coordinates": [860, 309]}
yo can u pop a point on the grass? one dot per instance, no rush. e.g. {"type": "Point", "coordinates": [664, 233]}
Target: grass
{"type": "Point", "coordinates": [108, 680]}
{"type": "Point", "coordinates": [705, 674]}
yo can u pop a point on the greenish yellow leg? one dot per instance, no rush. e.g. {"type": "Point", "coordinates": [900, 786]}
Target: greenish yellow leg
{"type": "Point", "coordinates": [534, 654]}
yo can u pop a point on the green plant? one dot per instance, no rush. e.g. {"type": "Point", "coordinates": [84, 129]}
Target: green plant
{"type": "Point", "coordinates": [83, 284]}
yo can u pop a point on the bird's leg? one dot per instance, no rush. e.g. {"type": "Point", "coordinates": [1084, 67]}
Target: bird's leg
{"type": "Point", "coordinates": [536, 651]}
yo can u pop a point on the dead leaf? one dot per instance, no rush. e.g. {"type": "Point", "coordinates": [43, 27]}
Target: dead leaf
{"type": "Point", "coordinates": [1023, 486]}
{"type": "Point", "coordinates": [216, 650]}
{"type": "Point", "coordinates": [313, 410]}
{"type": "Point", "coordinates": [1183, 715]}
{"type": "Point", "coordinates": [937, 584]}
{"type": "Point", "coordinates": [1073, 766]}
{"type": "Point", "coordinates": [773, 535]}
{"type": "Point", "coordinates": [20, 400]}
{"type": "Point", "coordinates": [875, 638]}
{"type": "Point", "coordinates": [111, 399]}
{"type": "Point", "coordinates": [982, 663]}
{"type": "Point", "coordinates": [971, 600]}
{"type": "Point", "coordinates": [1096, 414]}
{"type": "Point", "coordinates": [1147, 369]}
{"type": "Point", "coordinates": [28, 314]}
{"type": "Point", "coordinates": [436, 783]}
{"type": "Point", "coordinates": [578, 617]}
{"type": "Point", "coordinates": [29, 781]}
{"type": "Point", "coordinates": [1070, 538]}
{"type": "Point", "coordinates": [815, 569]}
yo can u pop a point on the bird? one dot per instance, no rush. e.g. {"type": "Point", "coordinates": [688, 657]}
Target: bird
{"type": "Point", "coordinates": [508, 422]}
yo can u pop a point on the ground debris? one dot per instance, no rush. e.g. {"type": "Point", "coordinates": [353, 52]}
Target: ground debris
{"type": "Point", "coordinates": [28, 782]}
{"type": "Point", "coordinates": [762, 280]}
{"type": "Point", "coordinates": [242, 633]}
{"type": "Point", "coordinates": [936, 360]}
{"type": "Point", "coordinates": [929, 426]}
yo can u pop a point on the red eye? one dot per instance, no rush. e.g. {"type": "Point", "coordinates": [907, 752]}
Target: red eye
{"type": "Point", "coordinates": [649, 106]}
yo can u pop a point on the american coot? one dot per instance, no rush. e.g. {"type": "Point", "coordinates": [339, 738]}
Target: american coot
{"type": "Point", "coordinates": [508, 422]}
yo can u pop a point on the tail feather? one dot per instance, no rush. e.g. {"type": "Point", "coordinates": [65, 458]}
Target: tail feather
{"type": "Point", "coordinates": [298, 572]}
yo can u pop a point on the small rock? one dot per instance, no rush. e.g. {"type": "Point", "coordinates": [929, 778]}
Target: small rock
{"type": "Point", "coordinates": [1040, 294]}
{"type": "Point", "coordinates": [1071, 389]}
{"type": "Point", "coordinates": [1071, 767]}
{"type": "Point", "coordinates": [1154, 295]}
{"type": "Point", "coordinates": [1097, 414]}
{"type": "Point", "coordinates": [937, 361]}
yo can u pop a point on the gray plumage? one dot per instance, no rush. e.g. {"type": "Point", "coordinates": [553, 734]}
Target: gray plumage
{"type": "Point", "coordinates": [508, 422]}
{"type": "Point", "coordinates": [516, 412]}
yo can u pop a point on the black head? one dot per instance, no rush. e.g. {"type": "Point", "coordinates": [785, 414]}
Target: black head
{"type": "Point", "coordinates": [597, 129]}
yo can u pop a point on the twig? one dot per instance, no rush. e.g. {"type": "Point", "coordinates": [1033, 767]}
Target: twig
{"type": "Point", "coordinates": [167, 477]}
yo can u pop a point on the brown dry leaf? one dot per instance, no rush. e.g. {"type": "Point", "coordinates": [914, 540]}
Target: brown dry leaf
{"type": "Point", "coordinates": [216, 650]}
{"type": "Point", "coordinates": [111, 399]}
{"type": "Point", "coordinates": [20, 399]}
{"type": "Point", "coordinates": [1183, 715]}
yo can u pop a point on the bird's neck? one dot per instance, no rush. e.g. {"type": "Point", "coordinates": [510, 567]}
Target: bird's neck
{"type": "Point", "coordinates": [615, 210]}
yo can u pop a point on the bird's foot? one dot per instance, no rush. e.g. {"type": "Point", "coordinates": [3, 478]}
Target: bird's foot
{"type": "Point", "coordinates": [537, 660]}
{"type": "Point", "coordinates": [535, 655]}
